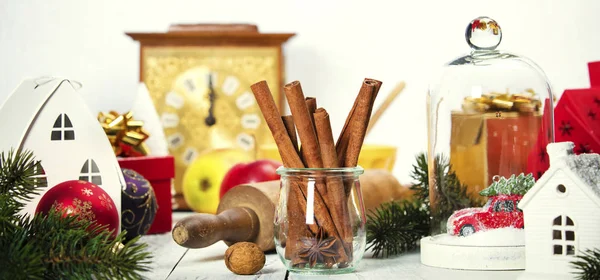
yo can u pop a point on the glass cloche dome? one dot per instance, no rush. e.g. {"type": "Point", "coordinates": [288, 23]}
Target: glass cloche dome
{"type": "Point", "coordinates": [488, 115]}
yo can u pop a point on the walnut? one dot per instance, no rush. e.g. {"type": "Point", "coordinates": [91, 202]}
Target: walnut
{"type": "Point", "coordinates": [244, 258]}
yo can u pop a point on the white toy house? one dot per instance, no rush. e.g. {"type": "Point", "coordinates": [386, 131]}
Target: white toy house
{"type": "Point", "coordinates": [562, 213]}
{"type": "Point", "coordinates": [48, 117]}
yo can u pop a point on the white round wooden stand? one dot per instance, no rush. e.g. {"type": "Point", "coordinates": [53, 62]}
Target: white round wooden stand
{"type": "Point", "coordinates": [444, 254]}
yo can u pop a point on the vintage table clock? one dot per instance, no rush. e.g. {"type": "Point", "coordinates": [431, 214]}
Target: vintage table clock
{"type": "Point", "coordinates": [199, 78]}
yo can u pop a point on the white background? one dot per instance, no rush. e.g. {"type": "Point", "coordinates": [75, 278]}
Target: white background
{"type": "Point", "coordinates": [338, 44]}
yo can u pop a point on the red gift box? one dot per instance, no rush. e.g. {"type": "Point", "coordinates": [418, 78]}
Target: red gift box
{"type": "Point", "coordinates": [483, 145]}
{"type": "Point", "coordinates": [160, 171]}
{"type": "Point", "coordinates": [576, 119]}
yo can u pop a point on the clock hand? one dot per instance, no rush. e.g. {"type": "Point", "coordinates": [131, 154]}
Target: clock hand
{"type": "Point", "coordinates": [210, 119]}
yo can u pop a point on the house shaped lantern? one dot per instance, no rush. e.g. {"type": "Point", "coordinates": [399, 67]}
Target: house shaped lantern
{"type": "Point", "coordinates": [561, 213]}
{"type": "Point", "coordinates": [48, 117]}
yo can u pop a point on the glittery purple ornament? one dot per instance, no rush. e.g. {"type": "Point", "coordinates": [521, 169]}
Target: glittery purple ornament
{"type": "Point", "coordinates": [138, 204]}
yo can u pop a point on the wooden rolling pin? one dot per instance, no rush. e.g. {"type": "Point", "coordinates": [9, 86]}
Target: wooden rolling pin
{"type": "Point", "coordinates": [246, 212]}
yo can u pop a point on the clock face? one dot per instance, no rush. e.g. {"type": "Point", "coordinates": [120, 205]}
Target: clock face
{"type": "Point", "coordinates": [202, 95]}
{"type": "Point", "coordinates": [213, 105]}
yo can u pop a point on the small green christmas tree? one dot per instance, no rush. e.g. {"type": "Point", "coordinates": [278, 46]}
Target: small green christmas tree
{"type": "Point", "coordinates": [51, 246]}
{"type": "Point", "coordinates": [513, 185]}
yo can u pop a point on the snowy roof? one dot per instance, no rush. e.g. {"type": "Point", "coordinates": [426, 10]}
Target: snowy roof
{"type": "Point", "coordinates": [586, 167]}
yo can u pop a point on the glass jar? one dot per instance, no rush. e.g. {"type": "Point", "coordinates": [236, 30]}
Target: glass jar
{"type": "Point", "coordinates": [320, 220]}
{"type": "Point", "coordinates": [489, 116]}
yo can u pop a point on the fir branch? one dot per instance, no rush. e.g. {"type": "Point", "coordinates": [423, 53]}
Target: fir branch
{"type": "Point", "coordinates": [19, 258]}
{"type": "Point", "coordinates": [18, 176]}
{"type": "Point", "coordinates": [452, 193]}
{"type": "Point", "coordinates": [587, 265]}
{"type": "Point", "coordinates": [78, 249]}
{"type": "Point", "coordinates": [396, 227]}
{"type": "Point", "coordinates": [52, 246]}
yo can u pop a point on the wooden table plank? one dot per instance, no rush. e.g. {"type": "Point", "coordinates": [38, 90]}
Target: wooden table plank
{"type": "Point", "coordinates": [208, 263]}
{"type": "Point", "coordinates": [166, 254]}
{"type": "Point", "coordinates": [409, 267]}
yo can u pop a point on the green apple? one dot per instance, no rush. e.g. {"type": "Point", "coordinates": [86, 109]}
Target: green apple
{"type": "Point", "coordinates": [202, 179]}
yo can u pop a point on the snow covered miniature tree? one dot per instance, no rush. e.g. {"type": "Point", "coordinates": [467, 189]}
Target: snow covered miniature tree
{"type": "Point", "coordinates": [513, 185]}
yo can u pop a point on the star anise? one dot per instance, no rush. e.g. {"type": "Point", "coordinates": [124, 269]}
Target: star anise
{"type": "Point", "coordinates": [315, 249]}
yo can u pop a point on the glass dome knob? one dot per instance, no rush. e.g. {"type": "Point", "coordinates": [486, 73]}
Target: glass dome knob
{"type": "Point", "coordinates": [483, 33]}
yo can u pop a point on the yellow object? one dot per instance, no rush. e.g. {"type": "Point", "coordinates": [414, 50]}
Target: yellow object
{"type": "Point", "coordinates": [521, 102]}
{"type": "Point", "coordinates": [199, 78]}
{"type": "Point", "coordinates": [202, 179]}
{"type": "Point", "coordinates": [372, 156]}
{"type": "Point", "coordinates": [126, 135]}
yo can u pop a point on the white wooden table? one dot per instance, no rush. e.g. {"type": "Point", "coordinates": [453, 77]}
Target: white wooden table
{"type": "Point", "coordinates": [172, 261]}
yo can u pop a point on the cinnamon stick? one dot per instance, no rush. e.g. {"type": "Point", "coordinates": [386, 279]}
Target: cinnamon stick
{"type": "Point", "coordinates": [290, 159]}
{"type": "Point", "coordinates": [353, 133]}
{"type": "Point", "coordinates": [336, 194]}
{"type": "Point", "coordinates": [311, 105]}
{"type": "Point", "coordinates": [312, 156]}
{"type": "Point", "coordinates": [288, 122]}
{"type": "Point", "coordinates": [264, 98]}
{"type": "Point", "coordinates": [302, 120]}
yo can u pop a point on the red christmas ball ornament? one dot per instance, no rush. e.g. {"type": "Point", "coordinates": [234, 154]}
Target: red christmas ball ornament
{"type": "Point", "coordinates": [82, 198]}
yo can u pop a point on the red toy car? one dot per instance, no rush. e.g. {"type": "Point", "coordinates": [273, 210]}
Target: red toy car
{"type": "Point", "coordinates": [499, 212]}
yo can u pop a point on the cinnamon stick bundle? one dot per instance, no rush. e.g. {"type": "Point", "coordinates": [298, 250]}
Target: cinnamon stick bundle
{"type": "Point", "coordinates": [312, 156]}
{"type": "Point", "coordinates": [327, 197]}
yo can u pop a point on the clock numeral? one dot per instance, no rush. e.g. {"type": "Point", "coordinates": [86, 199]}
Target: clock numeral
{"type": "Point", "coordinates": [245, 100]}
{"type": "Point", "coordinates": [230, 85]}
{"type": "Point", "coordinates": [174, 100]}
{"type": "Point", "coordinates": [189, 155]}
{"type": "Point", "coordinates": [250, 121]}
{"type": "Point", "coordinates": [245, 141]}
{"type": "Point", "coordinates": [169, 120]}
{"type": "Point", "coordinates": [189, 85]}
{"type": "Point", "coordinates": [175, 140]}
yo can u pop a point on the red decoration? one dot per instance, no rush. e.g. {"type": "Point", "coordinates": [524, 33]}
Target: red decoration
{"type": "Point", "coordinates": [160, 171]}
{"type": "Point", "coordinates": [576, 119]}
{"type": "Point", "coordinates": [84, 199]}
{"type": "Point", "coordinates": [499, 212]}
{"type": "Point", "coordinates": [254, 172]}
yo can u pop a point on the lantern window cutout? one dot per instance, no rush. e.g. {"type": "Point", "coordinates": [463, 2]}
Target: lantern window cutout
{"type": "Point", "coordinates": [563, 236]}
{"type": "Point", "coordinates": [91, 173]}
{"type": "Point", "coordinates": [40, 180]}
{"type": "Point", "coordinates": [62, 129]}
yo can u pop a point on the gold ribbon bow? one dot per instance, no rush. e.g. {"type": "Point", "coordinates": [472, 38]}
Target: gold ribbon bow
{"type": "Point", "coordinates": [493, 102]}
{"type": "Point", "coordinates": [125, 134]}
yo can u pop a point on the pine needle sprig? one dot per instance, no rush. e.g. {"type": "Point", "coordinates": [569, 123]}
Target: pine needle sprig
{"type": "Point", "coordinates": [587, 265]}
{"type": "Point", "coordinates": [19, 176]}
{"type": "Point", "coordinates": [78, 249]}
{"type": "Point", "coordinates": [54, 246]}
{"type": "Point", "coordinates": [19, 258]}
{"type": "Point", "coordinates": [452, 193]}
{"type": "Point", "coordinates": [396, 227]}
